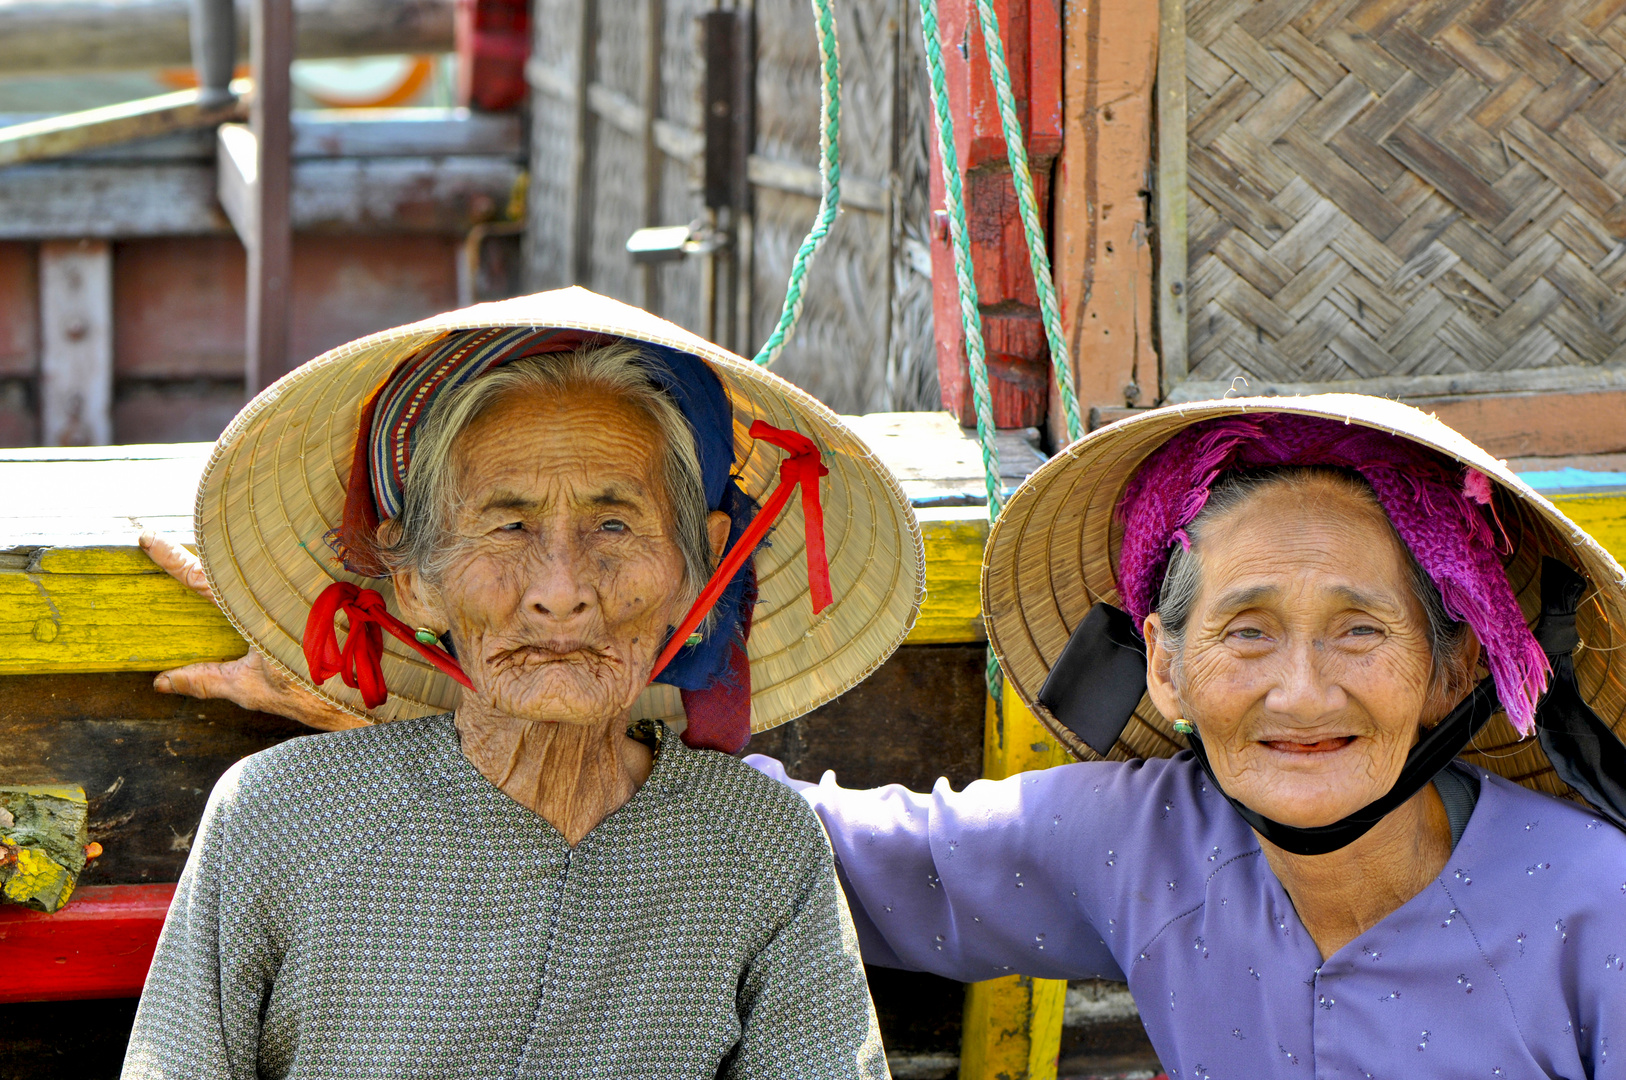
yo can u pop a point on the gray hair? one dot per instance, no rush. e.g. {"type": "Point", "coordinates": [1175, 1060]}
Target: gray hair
{"type": "Point", "coordinates": [1183, 579]}
{"type": "Point", "coordinates": [422, 541]}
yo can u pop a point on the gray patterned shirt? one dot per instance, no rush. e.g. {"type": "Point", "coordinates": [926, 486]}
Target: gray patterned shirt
{"type": "Point", "coordinates": [366, 904]}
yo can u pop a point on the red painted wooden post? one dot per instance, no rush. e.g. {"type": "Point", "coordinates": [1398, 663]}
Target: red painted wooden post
{"type": "Point", "coordinates": [493, 41]}
{"type": "Point", "coordinates": [1018, 358]}
{"type": "Point", "coordinates": [99, 946]}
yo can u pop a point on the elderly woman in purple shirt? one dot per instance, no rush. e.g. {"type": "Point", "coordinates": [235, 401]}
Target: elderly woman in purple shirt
{"type": "Point", "coordinates": [1279, 847]}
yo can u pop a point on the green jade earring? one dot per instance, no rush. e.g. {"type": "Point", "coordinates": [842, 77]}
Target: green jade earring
{"type": "Point", "coordinates": [426, 635]}
{"type": "Point", "coordinates": [1184, 726]}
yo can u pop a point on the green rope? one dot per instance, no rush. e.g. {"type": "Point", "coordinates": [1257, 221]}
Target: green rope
{"type": "Point", "coordinates": [824, 23]}
{"type": "Point", "coordinates": [1038, 259]}
{"type": "Point", "coordinates": [970, 316]}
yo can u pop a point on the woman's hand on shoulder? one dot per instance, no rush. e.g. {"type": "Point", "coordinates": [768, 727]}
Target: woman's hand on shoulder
{"type": "Point", "coordinates": [249, 681]}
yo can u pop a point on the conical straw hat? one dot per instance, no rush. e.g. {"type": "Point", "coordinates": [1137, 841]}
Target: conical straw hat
{"type": "Point", "coordinates": [275, 485]}
{"type": "Point", "coordinates": [1053, 553]}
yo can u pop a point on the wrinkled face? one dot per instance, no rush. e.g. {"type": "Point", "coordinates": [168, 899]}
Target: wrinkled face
{"type": "Point", "coordinates": [1306, 666]}
{"type": "Point", "coordinates": [566, 573]}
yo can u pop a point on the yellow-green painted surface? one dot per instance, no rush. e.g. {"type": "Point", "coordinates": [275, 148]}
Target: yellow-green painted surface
{"type": "Point", "coordinates": [105, 618]}
{"type": "Point", "coordinates": [1013, 1025]}
{"type": "Point", "coordinates": [953, 609]}
{"type": "Point", "coordinates": [1603, 516]}
{"type": "Point", "coordinates": [42, 844]}
{"type": "Point", "coordinates": [108, 608]}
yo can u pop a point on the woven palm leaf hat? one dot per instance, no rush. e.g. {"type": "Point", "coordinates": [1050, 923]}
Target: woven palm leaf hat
{"type": "Point", "coordinates": [1057, 551]}
{"type": "Point", "coordinates": [276, 485]}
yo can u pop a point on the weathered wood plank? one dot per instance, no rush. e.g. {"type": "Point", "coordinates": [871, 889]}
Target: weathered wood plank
{"type": "Point", "coordinates": [72, 133]}
{"type": "Point", "coordinates": [42, 844]}
{"type": "Point", "coordinates": [106, 618]}
{"type": "Point", "coordinates": [1013, 1025]}
{"type": "Point", "coordinates": [76, 343]}
{"type": "Point", "coordinates": [99, 947]}
{"type": "Point", "coordinates": [107, 622]}
{"type": "Point", "coordinates": [1450, 385]}
{"type": "Point", "coordinates": [1601, 514]}
{"type": "Point", "coordinates": [339, 133]}
{"type": "Point", "coordinates": [930, 701]}
{"type": "Point", "coordinates": [147, 760]}
{"type": "Point", "coordinates": [383, 195]}
{"type": "Point", "coordinates": [1172, 313]}
{"type": "Point", "coordinates": [128, 35]}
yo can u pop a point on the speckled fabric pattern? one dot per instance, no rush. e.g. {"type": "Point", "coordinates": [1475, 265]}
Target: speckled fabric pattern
{"type": "Point", "coordinates": [1511, 965]}
{"type": "Point", "coordinates": [366, 904]}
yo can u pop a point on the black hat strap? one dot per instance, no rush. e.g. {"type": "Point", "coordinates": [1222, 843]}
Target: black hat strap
{"type": "Point", "coordinates": [1433, 752]}
{"type": "Point", "coordinates": [1585, 754]}
{"type": "Point", "coordinates": [1100, 676]}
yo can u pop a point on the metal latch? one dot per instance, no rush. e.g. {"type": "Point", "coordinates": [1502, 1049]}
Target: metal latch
{"type": "Point", "coordinates": [673, 243]}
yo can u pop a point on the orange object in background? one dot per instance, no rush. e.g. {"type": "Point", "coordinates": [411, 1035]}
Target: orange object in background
{"type": "Point", "coordinates": [371, 82]}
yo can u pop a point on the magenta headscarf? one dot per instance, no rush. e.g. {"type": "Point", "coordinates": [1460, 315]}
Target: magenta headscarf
{"type": "Point", "coordinates": [1438, 507]}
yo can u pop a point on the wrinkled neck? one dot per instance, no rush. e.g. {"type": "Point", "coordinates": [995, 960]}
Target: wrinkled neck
{"type": "Point", "coordinates": [571, 775]}
{"type": "Point", "coordinates": [1344, 893]}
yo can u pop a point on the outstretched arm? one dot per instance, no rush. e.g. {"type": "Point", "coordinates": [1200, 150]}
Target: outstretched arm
{"type": "Point", "coordinates": [248, 681]}
{"type": "Point", "coordinates": [970, 885]}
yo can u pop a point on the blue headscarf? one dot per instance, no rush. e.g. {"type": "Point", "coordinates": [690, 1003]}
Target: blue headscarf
{"type": "Point", "coordinates": [704, 403]}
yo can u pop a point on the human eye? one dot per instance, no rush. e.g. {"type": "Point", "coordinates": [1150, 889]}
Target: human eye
{"type": "Point", "coordinates": [512, 526]}
{"type": "Point", "coordinates": [613, 525]}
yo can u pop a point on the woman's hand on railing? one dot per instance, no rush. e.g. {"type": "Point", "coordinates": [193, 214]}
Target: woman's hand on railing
{"type": "Point", "coordinates": [250, 681]}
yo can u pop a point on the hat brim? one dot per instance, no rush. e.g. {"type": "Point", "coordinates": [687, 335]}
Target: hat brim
{"type": "Point", "coordinates": [1053, 553]}
{"type": "Point", "coordinates": [275, 485]}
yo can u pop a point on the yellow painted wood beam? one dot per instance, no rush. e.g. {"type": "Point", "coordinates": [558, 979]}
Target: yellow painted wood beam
{"type": "Point", "coordinates": [1602, 515]}
{"type": "Point", "coordinates": [1012, 1028]}
{"type": "Point", "coordinates": [952, 612]}
{"type": "Point", "coordinates": [108, 608]}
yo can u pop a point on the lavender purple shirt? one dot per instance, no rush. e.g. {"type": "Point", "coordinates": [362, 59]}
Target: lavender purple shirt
{"type": "Point", "coordinates": [1511, 964]}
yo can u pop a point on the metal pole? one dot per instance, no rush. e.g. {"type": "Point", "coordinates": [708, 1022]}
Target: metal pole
{"type": "Point", "coordinates": [270, 256]}
{"type": "Point", "coordinates": [214, 50]}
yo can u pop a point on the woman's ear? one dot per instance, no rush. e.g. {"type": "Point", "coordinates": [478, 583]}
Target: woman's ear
{"type": "Point", "coordinates": [419, 604]}
{"type": "Point", "coordinates": [1456, 676]}
{"type": "Point", "coordinates": [1160, 685]}
{"type": "Point", "coordinates": [717, 523]}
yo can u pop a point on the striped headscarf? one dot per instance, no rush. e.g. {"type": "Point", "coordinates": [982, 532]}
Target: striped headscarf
{"type": "Point", "coordinates": [390, 422]}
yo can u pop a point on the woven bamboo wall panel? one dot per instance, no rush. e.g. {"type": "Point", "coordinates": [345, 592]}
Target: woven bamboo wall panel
{"type": "Point", "coordinates": [1393, 191]}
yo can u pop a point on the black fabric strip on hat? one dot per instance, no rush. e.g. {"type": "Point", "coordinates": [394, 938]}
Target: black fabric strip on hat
{"type": "Point", "coordinates": [1433, 752]}
{"type": "Point", "coordinates": [1585, 754]}
{"type": "Point", "coordinates": [1099, 678]}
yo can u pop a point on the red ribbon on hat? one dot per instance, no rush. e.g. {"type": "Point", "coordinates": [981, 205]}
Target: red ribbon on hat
{"type": "Point", "coordinates": [802, 469]}
{"type": "Point", "coordinates": [357, 662]}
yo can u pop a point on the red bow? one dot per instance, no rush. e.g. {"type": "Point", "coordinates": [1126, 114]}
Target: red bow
{"type": "Point", "coordinates": [357, 662]}
{"type": "Point", "coordinates": [802, 468]}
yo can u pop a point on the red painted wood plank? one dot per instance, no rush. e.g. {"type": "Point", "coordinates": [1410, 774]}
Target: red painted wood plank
{"type": "Point", "coordinates": [1032, 36]}
{"type": "Point", "coordinates": [99, 946]}
{"type": "Point", "coordinates": [493, 42]}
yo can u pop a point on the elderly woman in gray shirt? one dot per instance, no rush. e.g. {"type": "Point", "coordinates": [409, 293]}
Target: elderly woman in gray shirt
{"type": "Point", "coordinates": [527, 872]}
